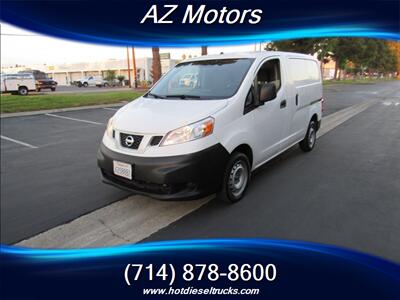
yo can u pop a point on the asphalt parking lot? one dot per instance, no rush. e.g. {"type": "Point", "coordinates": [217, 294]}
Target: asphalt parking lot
{"type": "Point", "coordinates": [345, 192]}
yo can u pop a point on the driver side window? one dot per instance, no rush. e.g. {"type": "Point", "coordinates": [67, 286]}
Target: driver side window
{"type": "Point", "coordinates": [270, 72]}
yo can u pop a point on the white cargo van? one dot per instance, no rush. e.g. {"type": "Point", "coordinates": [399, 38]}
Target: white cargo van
{"type": "Point", "coordinates": [20, 83]}
{"type": "Point", "coordinates": [184, 140]}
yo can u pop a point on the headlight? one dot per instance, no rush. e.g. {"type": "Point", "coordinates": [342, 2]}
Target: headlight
{"type": "Point", "coordinates": [110, 128]}
{"type": "Point", "coordinates": [189, 132]}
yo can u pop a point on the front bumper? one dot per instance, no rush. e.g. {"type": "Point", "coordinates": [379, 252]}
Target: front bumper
{"type": "Point", "coordinates": [187, 176]}
{"type": "Point", "coordinates": [46, 86]}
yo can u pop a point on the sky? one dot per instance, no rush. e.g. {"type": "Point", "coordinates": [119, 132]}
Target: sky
{"type": "Point", "coordinates": [27, 48]}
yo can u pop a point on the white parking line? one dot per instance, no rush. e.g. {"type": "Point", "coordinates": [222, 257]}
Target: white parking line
{"type": "Point", "coordinates": [18, 142]}
{"type": "Point", "coordinates": [74, 119]}
{"type": "Point", "coordinates": [109, 108]}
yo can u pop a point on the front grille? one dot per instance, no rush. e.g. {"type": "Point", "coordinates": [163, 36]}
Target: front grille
{"type": "Point", "coordinates": [155, 140]}
{"type": "Point", "coordinates": [131, 141]}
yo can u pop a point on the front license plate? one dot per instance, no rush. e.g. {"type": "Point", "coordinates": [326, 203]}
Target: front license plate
{"type": "Point", "coordinates": [122, 169]}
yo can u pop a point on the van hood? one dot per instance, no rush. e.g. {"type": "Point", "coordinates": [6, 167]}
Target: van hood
{"type": "Point", "coordinates": [148, 115]}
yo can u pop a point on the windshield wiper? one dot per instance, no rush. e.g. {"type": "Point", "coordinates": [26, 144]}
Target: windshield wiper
{"type": "Point", "coordinates": [183, 96]}
{"type": "Point", "coordinates": [155, 96]}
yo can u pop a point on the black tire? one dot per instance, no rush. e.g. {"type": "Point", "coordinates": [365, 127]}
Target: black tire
{"type": "Point", "coordinates": [53, 89]}
{"type": "Point", "coordinates": [23, 91]}
{"type": "Point", "coordinates": [85, 84]}
{"type": "Point", "coordinates": [308, 143]}
{"type": "Point", "coordinates": [229, 192]}
{"type": "Point", "coordinates": [38, 90]}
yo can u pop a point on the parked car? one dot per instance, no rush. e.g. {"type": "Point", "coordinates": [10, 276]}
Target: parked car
{"type": "Point", "coordinates": [183, 142]}
{"type": "Point", "coordinates": [88, 81]}
{"type": "Point", "coordinates": [42, 81]}
{"type": "Point", "coordinates": [17, 83]}
{"type": "Point", "coordinates": [107, 83]}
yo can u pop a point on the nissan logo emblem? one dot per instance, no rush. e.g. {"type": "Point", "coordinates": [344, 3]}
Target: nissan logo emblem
{"type": "Point", "coordinates": [129, 140]}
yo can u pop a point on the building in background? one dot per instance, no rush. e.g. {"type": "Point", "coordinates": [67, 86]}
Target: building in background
{"type": "Point", "coordinates": [328, 70]}
{"type": "Point", "coordinates": [64, 74]}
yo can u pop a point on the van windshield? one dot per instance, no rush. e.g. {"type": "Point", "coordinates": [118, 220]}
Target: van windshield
{"type": "Point", "coordinates": [205, 79]}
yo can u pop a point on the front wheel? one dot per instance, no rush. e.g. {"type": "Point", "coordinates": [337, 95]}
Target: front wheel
{"type": "Point", "coordinates": [85, 84]}
{"type": "Point", "coordinates": [236, 178]}
{"type": "Point", "coordinates": [308, 143]}
{"type": "Point", "coordinates": [23, 91]}
{"type": "Point", "coordinates": [53, 89]}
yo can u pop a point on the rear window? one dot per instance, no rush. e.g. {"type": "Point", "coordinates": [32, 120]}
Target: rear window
{"type": "Point", "coordinates": [304, 71]}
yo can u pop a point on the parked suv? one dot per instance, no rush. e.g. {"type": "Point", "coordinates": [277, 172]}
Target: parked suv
{"type": "Point", "coordinates": [239, 111]}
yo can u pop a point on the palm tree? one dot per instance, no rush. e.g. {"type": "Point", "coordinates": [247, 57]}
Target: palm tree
{"type": "Point", "coordinates": [203, 50]}
{"type": "Point", "coordinates": [156, 67]}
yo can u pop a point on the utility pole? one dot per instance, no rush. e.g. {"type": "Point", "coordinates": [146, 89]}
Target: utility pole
{"type": "Point", "coordinates": [129, 67]}
{"type": "Point", "coordinates": [203, 50]}
{"type": "Point", "coordinates": [134, 68]}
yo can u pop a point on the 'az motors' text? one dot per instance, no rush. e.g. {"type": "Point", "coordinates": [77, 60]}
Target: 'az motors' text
{"type": "Point", "coordinates": [202, 15]}
{"type": "Point", "coordinates": [199, 272]}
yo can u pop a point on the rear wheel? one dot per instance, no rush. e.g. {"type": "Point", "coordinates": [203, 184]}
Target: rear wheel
{"type": "Point", "coordinates": [308, 143]}
{"type": "Point", "coordinates": [53, 89]}
{"type": "Point", "coordinates": [236, 178]}
{"type": "Point", "coordinates": [85, 84]}
{"type": "Point", "coordinates": [23, 90]}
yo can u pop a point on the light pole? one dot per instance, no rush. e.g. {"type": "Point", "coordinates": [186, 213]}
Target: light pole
{"type": "Point", "coordinates": [134, 68]}
{"type": "Point", "coordinates": [129, 67]}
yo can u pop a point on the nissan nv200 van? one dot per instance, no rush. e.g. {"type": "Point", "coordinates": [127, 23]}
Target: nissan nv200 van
{"type": "Point", "coordinates": [186, 140]}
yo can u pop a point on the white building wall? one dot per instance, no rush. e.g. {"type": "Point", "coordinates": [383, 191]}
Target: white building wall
{"type": "Point", "coordinates": [64, 74]}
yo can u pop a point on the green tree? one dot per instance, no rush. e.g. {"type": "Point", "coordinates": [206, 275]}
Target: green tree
{"type": "Point", "coordinates": [305, 46]}
{"type": "Point", "coordinates": [110, 75]}
{"type": "Point", "coordinates": [121, 78]}
{"type": "Point", "coordinates": [355, 55]}
{"type": "Point", "coordinates": [365, 55]}
{"type": "Point", "coordinates": [323, 47]}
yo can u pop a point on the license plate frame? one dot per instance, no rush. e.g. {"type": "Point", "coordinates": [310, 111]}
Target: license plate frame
{"type": "Point", "coordinates": [122, 169]}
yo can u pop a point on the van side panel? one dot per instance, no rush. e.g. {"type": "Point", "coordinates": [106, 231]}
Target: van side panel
{"type": "Point", "coordinates": [12, 84]}
{"type": "Point", "coordinates": [306, 89]}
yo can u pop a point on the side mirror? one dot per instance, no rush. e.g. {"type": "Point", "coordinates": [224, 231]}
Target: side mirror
{"type": "Point", "coordinates": [267, 92]}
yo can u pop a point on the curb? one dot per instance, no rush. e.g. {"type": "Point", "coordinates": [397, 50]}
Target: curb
{"type": "Point", "coordinates": [56, 110]}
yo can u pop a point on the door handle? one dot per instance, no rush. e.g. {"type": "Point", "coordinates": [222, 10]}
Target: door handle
{"type": "Point", "coordinates": [283, 103]}
{"type": "Point", "coordinates": [297, 99]}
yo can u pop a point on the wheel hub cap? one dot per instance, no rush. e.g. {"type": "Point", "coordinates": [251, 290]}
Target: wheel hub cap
{"type": "Point", "coordinates": [238, 178]}
{"type": "Point", "coordinates": [311, 137]}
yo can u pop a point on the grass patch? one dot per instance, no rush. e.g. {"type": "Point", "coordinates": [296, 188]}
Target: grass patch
{"type": "Point", "coordinates": [15, 103]}
{"type": "Point", "coordinates": [356, 81]}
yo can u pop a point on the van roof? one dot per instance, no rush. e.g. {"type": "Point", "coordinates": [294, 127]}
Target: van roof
{"type": "Point", "coordinates": [254, 54]}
